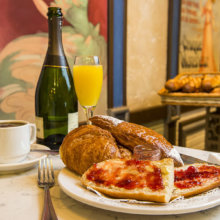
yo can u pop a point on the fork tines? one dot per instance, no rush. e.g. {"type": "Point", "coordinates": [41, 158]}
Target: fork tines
{"type": "Point", "coordinates": [45, 172]}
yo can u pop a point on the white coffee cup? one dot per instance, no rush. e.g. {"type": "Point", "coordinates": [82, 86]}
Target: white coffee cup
{"type": "Point", "coordinates": [16, 136]}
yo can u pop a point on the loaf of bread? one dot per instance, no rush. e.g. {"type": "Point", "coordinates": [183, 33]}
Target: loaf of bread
{"type": "Point", "coordinates": [87, 145]}
{"type": "Point", "coordinates": [194, 84]}
{"type": "Point", "coordinates": [132, 179]}
{"type": "Point", "coordinates": [173, 85]}
{"type": "Point", "coordinates": [177, 84]}
{"type": "Point", "coordinates": [191, 180]}
{"type": "Point", "coordinates": [210, 82]}
{"type": "Point", "coordinates": [131, 135]}
{"type": "Point", "coordinates": [216, 91]}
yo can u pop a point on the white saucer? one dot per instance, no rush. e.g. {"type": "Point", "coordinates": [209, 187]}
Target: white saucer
{"type": "Point", "coordinates": [30, 161]}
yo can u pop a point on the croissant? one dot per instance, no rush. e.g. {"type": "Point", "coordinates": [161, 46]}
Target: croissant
{"type": "Point", "coordinates": [131, 135]}
{"type": "Point", "coordinates": [87, 145]}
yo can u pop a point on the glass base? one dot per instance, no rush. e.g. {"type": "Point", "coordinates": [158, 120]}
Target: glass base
{"type": "Point", "coordinates": [89, 113]}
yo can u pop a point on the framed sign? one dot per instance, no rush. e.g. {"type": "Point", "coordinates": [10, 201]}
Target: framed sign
{"type": "Point", "coordinates": [194, 38]}
{"type": "Point", "coordinates": [199, 48]}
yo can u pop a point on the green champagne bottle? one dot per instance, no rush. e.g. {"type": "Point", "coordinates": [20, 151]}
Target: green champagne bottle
{"type": "Point", "coordinates": [55, 97]}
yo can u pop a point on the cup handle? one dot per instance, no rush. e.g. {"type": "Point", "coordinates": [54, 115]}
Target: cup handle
{"type": "Point", "coordinates": [33, 133]}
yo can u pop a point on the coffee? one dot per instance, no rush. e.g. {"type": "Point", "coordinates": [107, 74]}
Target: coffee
{"type": "Point", "coordinates": [11, 124]}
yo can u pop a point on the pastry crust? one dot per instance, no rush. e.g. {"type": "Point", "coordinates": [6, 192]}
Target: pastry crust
{"type": "Point", "coordinates": [210, 82]}
{"type": "Point", "coordinates": [131, 135]}
{"type": "Point", "coordinates": [124, 152]}
{"type": "Point", "coordinates": [86, 145]}
{"type": "Point", "coordinates": [175, 84]}
{"type": "Point", "coordinates": [194, 84]}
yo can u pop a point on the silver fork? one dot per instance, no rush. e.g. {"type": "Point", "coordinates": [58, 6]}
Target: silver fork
{"type": "Point", "coordinates": [46, 180]}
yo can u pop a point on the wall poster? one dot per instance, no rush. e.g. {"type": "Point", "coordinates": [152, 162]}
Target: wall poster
{"type": "Point", "coordinates": [199, 42]}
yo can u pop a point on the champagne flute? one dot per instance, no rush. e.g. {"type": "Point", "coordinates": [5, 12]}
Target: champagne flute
{"type": "Point", "coordinates": [88, 77]}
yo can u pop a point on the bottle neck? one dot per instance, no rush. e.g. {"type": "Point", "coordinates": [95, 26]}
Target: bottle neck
{"type": "Point", "coordinates": [55, 46]}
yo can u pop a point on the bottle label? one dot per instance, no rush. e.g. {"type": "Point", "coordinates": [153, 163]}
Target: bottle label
{"type": "Point", "coordinates": [40, 127]}
{"type": "Point", "coordinates": [72, 121]}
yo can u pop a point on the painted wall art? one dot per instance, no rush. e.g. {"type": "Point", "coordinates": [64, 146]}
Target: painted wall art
{"type": "Point", "coordinates": [23, 45]}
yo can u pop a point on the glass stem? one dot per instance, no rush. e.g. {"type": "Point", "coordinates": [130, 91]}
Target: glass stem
{"type": "Point", "coordinates": [89, 114]}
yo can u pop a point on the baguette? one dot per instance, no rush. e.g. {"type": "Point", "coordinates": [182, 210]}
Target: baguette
{"type": "Point", "coordinates": [191, 180]}
{"type": "Point", "coordinates": [130, 135]}
{"type": "Point", "coordinates": [132, 179]}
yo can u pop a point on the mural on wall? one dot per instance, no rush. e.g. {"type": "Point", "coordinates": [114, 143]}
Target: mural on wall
{"type": "Point", "coordinates": [23, 46]}
{"type": "Point", "coordinates": [199, 48]}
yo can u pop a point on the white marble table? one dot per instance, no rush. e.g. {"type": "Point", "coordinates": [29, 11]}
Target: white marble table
{"type": "Point", "coordinates": [21, 199]}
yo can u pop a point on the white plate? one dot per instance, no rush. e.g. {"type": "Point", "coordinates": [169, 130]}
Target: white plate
{"type": "Point", "coordinates": [71, 185]}
{"type": "Point", "coordinates": [30, 161]}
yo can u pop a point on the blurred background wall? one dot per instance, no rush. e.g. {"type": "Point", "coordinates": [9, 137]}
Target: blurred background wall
{"type": "Point", "coordinates": [146, 52]}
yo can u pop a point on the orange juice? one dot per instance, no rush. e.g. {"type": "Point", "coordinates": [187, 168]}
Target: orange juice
{"type": "Point", "coordinates": [88, 83]}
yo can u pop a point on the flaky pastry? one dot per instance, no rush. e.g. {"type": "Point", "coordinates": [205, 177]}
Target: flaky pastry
{"type": "Point", "coordinates": [87, 145]}
{"type": "Point", "coordinates": [131, 135]}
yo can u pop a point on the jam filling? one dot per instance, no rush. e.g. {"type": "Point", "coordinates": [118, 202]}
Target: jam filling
{"type": "Point", "coordinates": [194, 176]}
{"type": "Point", "coordinates": [136, 177]}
